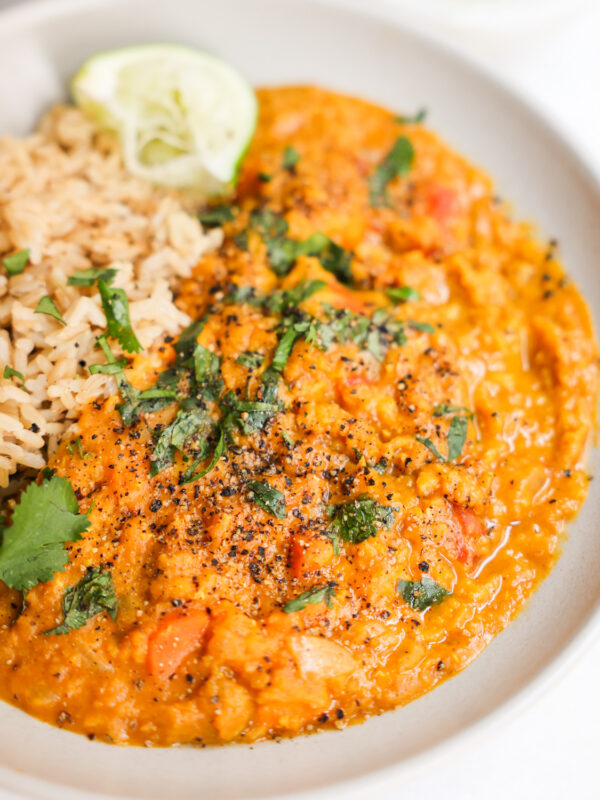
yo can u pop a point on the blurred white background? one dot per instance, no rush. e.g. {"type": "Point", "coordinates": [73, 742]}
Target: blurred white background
{"type": "Point", "coordinates": [549, 50]}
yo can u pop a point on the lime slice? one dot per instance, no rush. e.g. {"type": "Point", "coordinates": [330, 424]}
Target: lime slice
{"type": "Point", "coordinates": [185, 118]}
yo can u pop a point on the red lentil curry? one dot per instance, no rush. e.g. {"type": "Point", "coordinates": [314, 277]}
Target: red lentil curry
{"type": "Point", "coordinates": [345, 479]}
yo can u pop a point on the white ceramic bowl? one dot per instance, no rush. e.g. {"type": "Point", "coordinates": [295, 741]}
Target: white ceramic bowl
{"type": "Point", "coordinates": [306, 41]}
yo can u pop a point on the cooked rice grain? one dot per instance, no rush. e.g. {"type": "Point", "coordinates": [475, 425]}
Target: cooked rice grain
{"type": "Point", "coordinates": [66, 197]}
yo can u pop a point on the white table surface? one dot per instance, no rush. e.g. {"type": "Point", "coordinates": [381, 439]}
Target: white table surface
{"type": "Point", "coordinates": [551, 749]}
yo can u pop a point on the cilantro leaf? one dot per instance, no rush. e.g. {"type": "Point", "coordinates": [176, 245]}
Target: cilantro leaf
{"type": "Point", "coordinates": [190, 475]}
{"type": "Point", "coordinates": [47, 306]}
{"type": "Point", "coordinates": [250, 359]}
{"type": "Point", "coordinates": [421, 594]}
{"type": "Point", "coordinates": [215, 216]}
{"type": "Point", "coordinates": [290, 158]}
{"type": "Point", "coordinates": [457, 436]}
{"type": "Point", "coordinates": [9, 372]}
{"type": "Point", "coordinates": [332, 256]}
{"type": "Point", "coordinates": [174, 437]}
{"type": "Point", "coordinates": [397, 163]}
{"type": "Point", "coordinates": [430, 445]}
{"type": "Point", "coordinates": [441, 409]}
{"type": "Point", "coordinates": [284, 348]}
{"type": "Point", "coordinates": [15, 264]}
{"type": "Point", "coordinates": [88, 277]}
{"type": "Point", "coordinates": [422, 327]}
{"type": "Point", "coordinates": [403, 294]}
{"type": "Point", "coordinates": [323, 594]}
{"type": "Point", "coordinates": [413, 119]}
{"type": "Point", "coordinates": [268, 498]}
{"type": "Point", "coordinates": [116, 311]}
{"type": "Point", "coordinates": [209, 383]}
{"type": "Point", "coordinates": [358, 520]}
{"type": "Point", "coordinates": [93, 594]}
{"type": "Point", "coordinates": [46, 517]}
{"type": "Point", "coordinates": [264, 177]}
{"type": "Point", "coordinates": [285, 299]}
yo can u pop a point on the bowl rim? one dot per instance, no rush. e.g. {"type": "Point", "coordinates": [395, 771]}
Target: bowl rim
{"type": "Point", "coordinates": [19, 16]}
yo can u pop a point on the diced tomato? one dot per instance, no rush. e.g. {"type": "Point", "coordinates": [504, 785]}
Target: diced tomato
{"type": "Point", "coordinates": [308, 556]}
{"type": "Point", "coordinates": [175, 638]}
{"type": "Point", "coordinates": [441, 202]}
{"type": "Point", "coordinates": [471, 528]}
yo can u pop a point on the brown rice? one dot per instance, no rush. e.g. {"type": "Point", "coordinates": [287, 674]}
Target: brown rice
{"type": "Point", "coordinates": [66, 197]}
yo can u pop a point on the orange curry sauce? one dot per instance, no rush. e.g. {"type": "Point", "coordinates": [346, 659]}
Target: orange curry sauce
{"type": "Point", "coordinates": [201, 649]}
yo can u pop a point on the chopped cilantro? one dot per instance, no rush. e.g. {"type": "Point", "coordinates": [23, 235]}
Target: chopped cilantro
{"type": "Point", "coordinates": [47, 306]}
{"type": "Point", "coordinates": [88, 277]}
{"type": "Point", "coordinates": [209, 383]}
{"type": "Point", "coordinates": [46, 517]}
{"type": "Point", "coordinates": [116, 311]}
{"type": "Point", "coordinates": [358, 520]}
{"type": "Point", "coordinates": [264, 177]}
{"type": "Point", "coordinates": [15, 264]}
{"type": "Point", "coordinates": [215, 216]}
{"type": "Point", "coordinates": [290, 158]}
{"type": "Point", "coordinates": [332, 256]}
{"type": "Point", "coordinates": [9, 372]}
{"type": "Point", "coordinates": [93, 594]}
{"type": "Point", "coordinates": [77, 446]}
{"type": "Point", "coordinates": [422, 327]}
{"type": "Point", "coordinates": [269, 499]}
{"type": "Point", "coordinates": [282, 251]}
{"type": "Point", "coordinates": [191, 475]}
{"type": "Point", "coordinates": [430, 445]}
{"type": "Point", "coordinates": [322, 594]}
{"type": "Point", "coordinates": [442, 409]}
{"type": "Point", "coordinates": [403, 294]}
{"type": "Point", "coordinates": [456, 438]}
{"type": "Point", "coordinates": [421, 594]}
{"type": "Point", "coordinates": [413, 119]}
{"type": "Point", "coordinates": [397, 163]}
{"type": "Point", "coordinates": [187, 424]}
{"type": "Point", "coordinates": [250, 359]}
{"type": "Point", "coordinates": [287, 439]}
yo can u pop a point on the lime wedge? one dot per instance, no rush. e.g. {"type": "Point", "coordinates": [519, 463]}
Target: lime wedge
{"type": "Point", "coordinates": [185, 118]}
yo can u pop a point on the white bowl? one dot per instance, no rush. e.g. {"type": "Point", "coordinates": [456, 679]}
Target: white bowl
{"type": "Point", "coordinates": [41, 44]}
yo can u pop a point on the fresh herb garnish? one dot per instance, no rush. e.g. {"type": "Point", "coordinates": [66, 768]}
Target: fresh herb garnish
{"type": "Point", "coordinates": [88, 277]}
{"type": "Point", "coordinates": [250, 359]}
{"type": "Point", "coordinates": [358, 520]}
{"type": "Point", "coordinates": [190, 475]}
{"type": "Point", "coordinates": [397, 163]}
{"type": "Point", "coordinates": [264, 177]}
{"type": "Point", "coordinates": [9, 372]}
{"type": "Point", "coordinates": [15, 264]}
{"type": "Point", "coordinates": [442, 409]}
{"type": "Point", "coordinates": [77, 445]}
{"type": "Point", "coordinates": [422, 327]}
{"type": "Point", "coordinates": [282, 251]}
{"type": "Point", "coordinates": [46, 517]}
{"type": "Point", "coordinates": [415, 119]}
{"type": "Point", "coordinates": [290, 158]}
{"type": "Point", "coordinates": [403, 294]}
{"type": "Point", "coordinates": [456, 438]}
{"type": "Point", "coordinates": [421, 594]}
{"type": "Point", "coordinates": [116, 311]}
{"type": "Point", "coordinates": [93, 594]}
{"type": "Point", "coordinates": [47, 306]}
{"type": "Point", "coordinates": [322, 594]}
{"type": "Point", "coordinates": [269, 499]}
{"type": "Point", "coordinates": [187, 424]}
{"type": "Point", "coordinates": [215, 216]}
